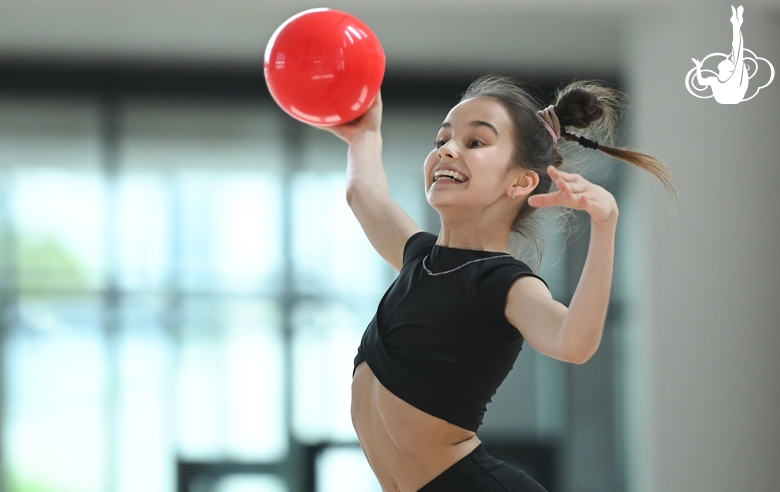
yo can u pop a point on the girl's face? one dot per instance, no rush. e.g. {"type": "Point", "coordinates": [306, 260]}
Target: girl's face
{"type": "Point", "coordinates": [473, 150]}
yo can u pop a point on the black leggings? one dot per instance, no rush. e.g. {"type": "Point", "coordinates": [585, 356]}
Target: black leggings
{"type": "Point", "coordinates": [480, 472]}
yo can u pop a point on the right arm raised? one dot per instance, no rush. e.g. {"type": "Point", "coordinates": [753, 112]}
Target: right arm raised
{"type": "Point", "coordinates": [385, 223]}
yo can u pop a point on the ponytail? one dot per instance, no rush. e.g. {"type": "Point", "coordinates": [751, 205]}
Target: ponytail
{"type": "Point", "coordinates": [595, 108]}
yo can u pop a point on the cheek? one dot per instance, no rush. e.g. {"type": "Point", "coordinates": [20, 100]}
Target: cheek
{"type": "Point", "coordinates": [430, 161]}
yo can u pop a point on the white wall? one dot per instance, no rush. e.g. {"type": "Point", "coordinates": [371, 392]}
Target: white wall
{"type": "Point", "coordinates": [703, 366]}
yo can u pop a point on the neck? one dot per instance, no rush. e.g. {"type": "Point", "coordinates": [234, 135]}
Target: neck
{"type": "Point", "coordinates": [476, 233]}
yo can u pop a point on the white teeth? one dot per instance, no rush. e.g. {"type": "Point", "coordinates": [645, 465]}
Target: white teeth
{"type": "Point", "coordinates": [449, 173]}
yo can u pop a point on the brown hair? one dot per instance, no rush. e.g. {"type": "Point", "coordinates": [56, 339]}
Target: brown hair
{"type": "Point", "coordinates": [588, 105]}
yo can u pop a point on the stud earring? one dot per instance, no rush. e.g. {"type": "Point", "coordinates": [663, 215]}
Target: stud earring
{"type": "Point", "coordinates": [513, 195]}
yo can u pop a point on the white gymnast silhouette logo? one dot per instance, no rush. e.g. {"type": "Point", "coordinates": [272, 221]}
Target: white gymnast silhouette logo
{"type": "Point", "coordinates": [730, 84]}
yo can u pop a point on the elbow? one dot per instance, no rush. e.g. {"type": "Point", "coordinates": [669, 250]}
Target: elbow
{"type": "Point", "coordinates": [362, 192]}
{"type": "Point", "coordinates": [580, 359]}
{"type": "Point", "coordinates": [354, 193]}
{"type": "Point", "coordinates": [356, 190]}
{"type": "Point", "coordinates": [351, 194]}
{"type": "Point", "coordinates": [580, 356]}
{"type": "Point", "coordinates": [582, 345]}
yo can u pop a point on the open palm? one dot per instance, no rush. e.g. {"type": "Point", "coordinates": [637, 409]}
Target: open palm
{"type": "Point", "coordinates": [578, 193]}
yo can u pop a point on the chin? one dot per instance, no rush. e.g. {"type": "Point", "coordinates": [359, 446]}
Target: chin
{"type": "Point", "coordinates": [433, 201]}
{"type": "Point", "coordinates": [440, 201]}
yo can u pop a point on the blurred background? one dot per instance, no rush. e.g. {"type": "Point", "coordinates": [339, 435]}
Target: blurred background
{"type": "Point", "coordinates": [183, 287]}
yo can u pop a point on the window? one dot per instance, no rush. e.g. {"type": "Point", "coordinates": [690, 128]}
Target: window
{"type": "Point", "coordinates": [185, 287]}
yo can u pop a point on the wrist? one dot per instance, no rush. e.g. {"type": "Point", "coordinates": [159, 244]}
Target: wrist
{"type": "Point", "coordinates": [607, 224]}
{"type": "Point", "coordinates": [366, 137]}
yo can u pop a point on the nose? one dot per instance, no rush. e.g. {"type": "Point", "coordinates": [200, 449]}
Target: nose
{"type": "Point", "coordinates": [447, 150]}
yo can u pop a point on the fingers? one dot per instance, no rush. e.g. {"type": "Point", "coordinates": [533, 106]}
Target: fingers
{"type": "Point", "coordinates": [560, 199]}
{"type": "Point", "coordinates": [577, 193]}
{"type": "Point", "coordinates": [572, 191]}
{"type": "Point", "coordinates": [564, 180]}
{"type": "Point", "coordinates": [546, 200]}
{"type": "Point", "coordinates": [371, 120]}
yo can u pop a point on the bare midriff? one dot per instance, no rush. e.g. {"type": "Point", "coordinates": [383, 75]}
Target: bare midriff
{"type": "Point", "coordinates": [406, 447]}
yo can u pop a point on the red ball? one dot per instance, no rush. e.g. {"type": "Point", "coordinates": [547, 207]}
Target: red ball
{"type": "Point", "coordinates": [324, 67]}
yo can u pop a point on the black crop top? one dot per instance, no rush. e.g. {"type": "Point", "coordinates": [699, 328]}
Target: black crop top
{"type": "Point", "coordinates": [443, 343]}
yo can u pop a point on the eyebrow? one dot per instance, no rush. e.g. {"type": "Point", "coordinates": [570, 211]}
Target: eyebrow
{"type": "Point", "coordinates": [475, 123]}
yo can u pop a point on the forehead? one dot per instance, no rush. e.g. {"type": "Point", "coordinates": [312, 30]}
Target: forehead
{"type": "Point", "coordinates": [479, 108]}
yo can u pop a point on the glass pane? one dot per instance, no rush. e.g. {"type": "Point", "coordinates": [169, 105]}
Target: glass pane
{"type": "Point", "coordinates": [331, 254]}
{"type": "Point", "coordinates": [345, 470]}
{"type": "Point", "coordinates": [52, 152]}
{"type": "Point", "coordinates": [59, 225]}
{"type": "Point", "coordinates": [164, 137]}
{"type": "Point", "coordinates": [214, 171]}
{"type": "Point", "coordinates": [145, 231]}
{"type": "Point", "coordinates": [146, 433]}
{"type": "Point", "coordinates": [231, 232]}
{"type": "Point", "coordinates": [325, 342]}
{"type": "Point", "coordinates": [230, 383]}
{"type": "Point", "coordinates": [56, 396]}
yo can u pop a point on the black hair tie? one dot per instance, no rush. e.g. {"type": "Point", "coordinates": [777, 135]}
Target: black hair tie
{"type": "Point", "coordinates": [588, 144]}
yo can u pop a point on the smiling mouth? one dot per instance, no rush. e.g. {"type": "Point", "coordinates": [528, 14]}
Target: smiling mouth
{"type": "Point", "coordinates": [449, 175]}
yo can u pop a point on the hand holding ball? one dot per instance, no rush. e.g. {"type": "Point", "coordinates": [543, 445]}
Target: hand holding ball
{"type": "Point", "coordinates": [324, 67]}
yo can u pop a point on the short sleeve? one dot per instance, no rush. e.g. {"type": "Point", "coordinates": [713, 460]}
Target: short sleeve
{"type": "Point", "coordinates": [524, 272]}
{"type": "Point", "coordinates": [493, 290]}
{"type": "Point", "coordinates": [499, 280]}
{"type": "Point", "coordinates": [420, 243]}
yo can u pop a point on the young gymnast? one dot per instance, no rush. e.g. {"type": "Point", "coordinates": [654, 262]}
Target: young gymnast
{"type": "Point", "coordinates": [450, 327]}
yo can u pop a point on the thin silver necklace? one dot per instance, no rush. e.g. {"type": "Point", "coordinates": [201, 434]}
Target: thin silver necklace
{"type": "Point", "coordinates": [458, 268]}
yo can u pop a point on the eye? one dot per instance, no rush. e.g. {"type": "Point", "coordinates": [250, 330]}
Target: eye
{"type": "Point", "coordinates": [439, 143]}
{"type": "Point", "coordinates": [476, 143]}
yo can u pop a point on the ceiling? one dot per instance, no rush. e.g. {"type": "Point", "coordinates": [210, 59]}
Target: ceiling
{"type": "Point", "coordinates": [429, 35]}
{"type": "Point", "coordinates": [432, 35]}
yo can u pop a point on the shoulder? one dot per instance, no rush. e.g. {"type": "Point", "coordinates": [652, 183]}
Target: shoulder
{"type": "Point", "coordinates": [499, 276]}
{"type": "Point", "coordinates": [521, 283]}
{"type": "Point", "coordinates": [495, 282]}
{"type": "Point", "coordinates": [418, 245]}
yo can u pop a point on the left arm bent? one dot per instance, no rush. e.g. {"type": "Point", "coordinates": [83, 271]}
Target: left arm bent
{"type": "Point", "coordinates": [571, 334]}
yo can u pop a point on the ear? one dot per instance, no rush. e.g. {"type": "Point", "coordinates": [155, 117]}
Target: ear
{"type": "Point", "coordinates": [524, 184]}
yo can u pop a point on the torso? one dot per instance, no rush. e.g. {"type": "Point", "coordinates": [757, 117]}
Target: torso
{"type": "Point", "coordinates": [405, 446]}
{"type": "Point", "coordinates": [439, 346]}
